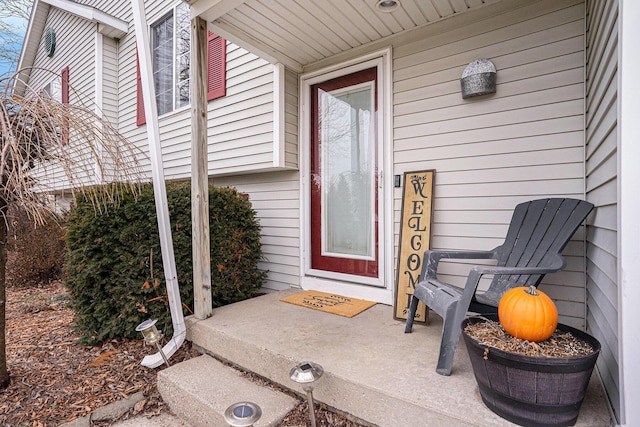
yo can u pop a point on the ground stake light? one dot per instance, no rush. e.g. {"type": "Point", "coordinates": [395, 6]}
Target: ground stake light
{"type": "Point", "coordinates": [242, 414]}
{"type": "Point", "coordinates": [152, 335]}
{"type": "Point", "coordinates": [306, 373]}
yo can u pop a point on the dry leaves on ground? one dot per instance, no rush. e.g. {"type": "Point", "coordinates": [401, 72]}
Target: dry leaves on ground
{"type": "Point", "coordinates": [55, 380]}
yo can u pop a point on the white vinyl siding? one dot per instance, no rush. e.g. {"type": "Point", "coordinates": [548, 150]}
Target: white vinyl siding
{"type": "Point", "coordinates": [110, 80]}
{"type": "Point", "coordinates": [240, 128]}
{"type": "Point", "coordinates": [275, 197]}
{"type": "Point", "coordinates": [291, 119]}
{"type": "Point", "coordinates": [493, 152]}
{"type": "Point", "coordinates": [73, 35]}
{"type": "Point", "coordinates": [602, 185]}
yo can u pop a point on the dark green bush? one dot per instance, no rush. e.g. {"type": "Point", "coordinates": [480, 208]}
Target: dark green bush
{"type": "Point", "coordinates": [35, 252]}
{"type": "Point", "coordinates": [114, 263]}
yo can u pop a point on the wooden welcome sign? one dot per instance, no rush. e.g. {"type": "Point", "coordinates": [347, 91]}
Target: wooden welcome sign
{"type": "Point", "coordinates": [415, 236]}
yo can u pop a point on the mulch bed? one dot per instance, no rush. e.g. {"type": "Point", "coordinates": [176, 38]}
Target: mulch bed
{"type": "Point", "coordinates": [55, 380]}
{"type": "Point", "coordinates": [559, 345]}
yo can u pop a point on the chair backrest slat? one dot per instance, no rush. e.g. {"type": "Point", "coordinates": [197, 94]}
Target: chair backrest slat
{"type": "Point", "coordinates": [539, 231]}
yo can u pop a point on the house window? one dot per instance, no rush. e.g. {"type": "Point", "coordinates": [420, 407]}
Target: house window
{"type": "Point", "coordinates": [171, 46]}
{"type": "Point", "coordinates": [53, 89]}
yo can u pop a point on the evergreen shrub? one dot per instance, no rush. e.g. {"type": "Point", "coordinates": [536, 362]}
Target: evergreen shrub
{"type": "Point", "coordinates": [114, 263]}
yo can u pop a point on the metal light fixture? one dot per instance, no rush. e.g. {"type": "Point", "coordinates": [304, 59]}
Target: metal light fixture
{"type": "Point", "coordinates": [306, 373]}
{"type": "Point", "coordinates": [152, 335]}
{"type": "Point", "coordinates": [242, 414]}
{"type": "Point", "coordinates": [387, 6]}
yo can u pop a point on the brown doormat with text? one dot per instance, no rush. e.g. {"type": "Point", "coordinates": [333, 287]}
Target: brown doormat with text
{"type": "Point", "coordinates": [330, 303]}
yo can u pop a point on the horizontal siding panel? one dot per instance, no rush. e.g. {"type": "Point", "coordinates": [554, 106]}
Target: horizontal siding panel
{"type": "Point", "coordinates": [607, 149]}
{"type": "Point", "coordinates": [537, 31]}
{"type": "Point", "coordinates": [472, 217]}
{"type": "Point", "coordinates": [472, 204]}
{"type": "Point", "coordinates": [511, 175]}
{"type": "Point", "coordinates": [607, 334]}
{"type": "Point", "coordinates": [605, 121]}
{"type": "Point", "coordinates": [558, 72]}
{"type": "Point", "coordinates": [533, 188]}
{"type": "Point", "coordinates": [438, 150]}
{"type": "Point", "coordinates": [229, 131]}
{"type": "Point", "coordinates": [515, 115]}
{"type": "Point", "coordinates": [274, 196]}
{"type": "Point", "coordinates": [607, 289]}
{"type": "Point", "coordinates": [605, 217]}
{"type": "Point", "coordinates": [603, 260]}
{"type": "Point", "coordinates": [605, 194]}
{"type": "Point", "coordinates": [608, 310]}
{"type": "Point", "coordinates": [559, 156]}
{"type": "Point", "coordinates": [603, 174]}
{"type": "Point", "coordinates": [282, 245]}
{"type": "Point", "coordinates": [499, 105]}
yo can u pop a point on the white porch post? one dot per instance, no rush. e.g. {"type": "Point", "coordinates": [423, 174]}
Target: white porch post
{"type": "Point", "coordinates": [629, 210]}
{"type": "Point", "coordinates": [159, 189]}
{"type": "Point", "coordinates": [199, 172]}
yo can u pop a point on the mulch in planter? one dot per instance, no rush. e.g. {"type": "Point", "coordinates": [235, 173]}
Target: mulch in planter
{"type": "Point", "coordinates": [560, 344]}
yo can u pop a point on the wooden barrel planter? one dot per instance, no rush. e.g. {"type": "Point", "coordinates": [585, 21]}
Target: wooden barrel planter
{"type": "Point", "coordinates": [529, 390]}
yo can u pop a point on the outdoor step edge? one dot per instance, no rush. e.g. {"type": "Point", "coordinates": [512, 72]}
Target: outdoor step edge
{"type": "Point", "coordinates": [199, 390]}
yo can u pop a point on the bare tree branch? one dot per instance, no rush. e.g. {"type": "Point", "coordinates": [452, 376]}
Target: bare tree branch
{"type": "Point", "coordinates": [47, 146]}
{"type": "Point", "coordinates": [14, 18]}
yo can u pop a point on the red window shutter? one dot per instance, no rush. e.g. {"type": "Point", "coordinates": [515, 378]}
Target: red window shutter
{"type": "Point", "coordinates": [64, 86]}
{"type": "Point", "coordinates": [140, 116]}
{"type": "Point", "coordinates": [216, 66]}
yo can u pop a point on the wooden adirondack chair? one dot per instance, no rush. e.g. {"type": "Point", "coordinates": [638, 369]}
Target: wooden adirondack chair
{"type": "Point", "coordinates": [538, 232]}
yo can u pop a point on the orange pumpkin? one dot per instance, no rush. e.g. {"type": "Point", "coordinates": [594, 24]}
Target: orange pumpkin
{"type": "Point", "coordinates": [528, 314]}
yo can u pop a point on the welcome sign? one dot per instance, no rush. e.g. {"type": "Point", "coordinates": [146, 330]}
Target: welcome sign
{"type": "Point", "coordinates": [415, 236]}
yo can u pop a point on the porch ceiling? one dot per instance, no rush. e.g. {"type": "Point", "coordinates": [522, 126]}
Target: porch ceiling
{"type": "Point", "coordinates": [302, 32]}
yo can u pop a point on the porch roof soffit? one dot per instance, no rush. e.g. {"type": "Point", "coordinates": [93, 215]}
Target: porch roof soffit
{"type": "Point", "coordinates": [305, 32]}
{"type": "Point", "coordinates": [107, 25]}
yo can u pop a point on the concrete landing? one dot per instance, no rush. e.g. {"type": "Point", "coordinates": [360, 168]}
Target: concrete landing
{"type": "Point", "coordinates": [373, 370]}
{"type": "Point", "coordinates": [199, 391]}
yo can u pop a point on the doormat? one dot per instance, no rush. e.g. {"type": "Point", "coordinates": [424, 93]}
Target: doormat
{"type": "Point", "coordinates": [329, 303]}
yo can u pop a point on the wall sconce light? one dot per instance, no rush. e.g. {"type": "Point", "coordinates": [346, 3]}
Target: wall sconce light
{"type": "Point", "coordinates": [242, 414]}
{"type": "Point", "coordinates": [478, 78]}
{"type": "Point", "coordinates": [306, 373]}
{"type": "Point", "coordinates": [152, 335]}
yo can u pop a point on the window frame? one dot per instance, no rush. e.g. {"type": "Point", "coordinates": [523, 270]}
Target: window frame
{"type": "Point", "coordinates": [216, 71]}
{"type": "Point", "coordinates": [173, 15]}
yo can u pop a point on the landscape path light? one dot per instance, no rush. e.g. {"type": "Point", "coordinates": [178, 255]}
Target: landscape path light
{"type": "Point", "coordinates": [242, 414]}
{"type": "Point", "coordinates": [306, 373]}
{"type": "Point", "coordinates": [152, 335]}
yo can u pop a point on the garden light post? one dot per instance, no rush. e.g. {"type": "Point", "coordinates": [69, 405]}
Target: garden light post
{"type": "Point", "coordinates": [242, 414]}
{"type": "Point", "coordinates": [306, 373]}
{"type": "Point", "coordinates": [152, 335]}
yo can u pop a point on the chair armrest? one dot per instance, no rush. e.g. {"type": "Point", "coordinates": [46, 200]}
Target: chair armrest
{"type": "Point", "coordinates": [479, 270]}
{"type": "Point", "coordinates": [431, 259]}
{"type": "Point", "coordinates": [557, 265]}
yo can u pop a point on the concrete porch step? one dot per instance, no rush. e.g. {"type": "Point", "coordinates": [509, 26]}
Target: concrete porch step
{"type": "Point", "coordinates": [199, 391]}
{"type": "Point", "coordinates": [373, 371]}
